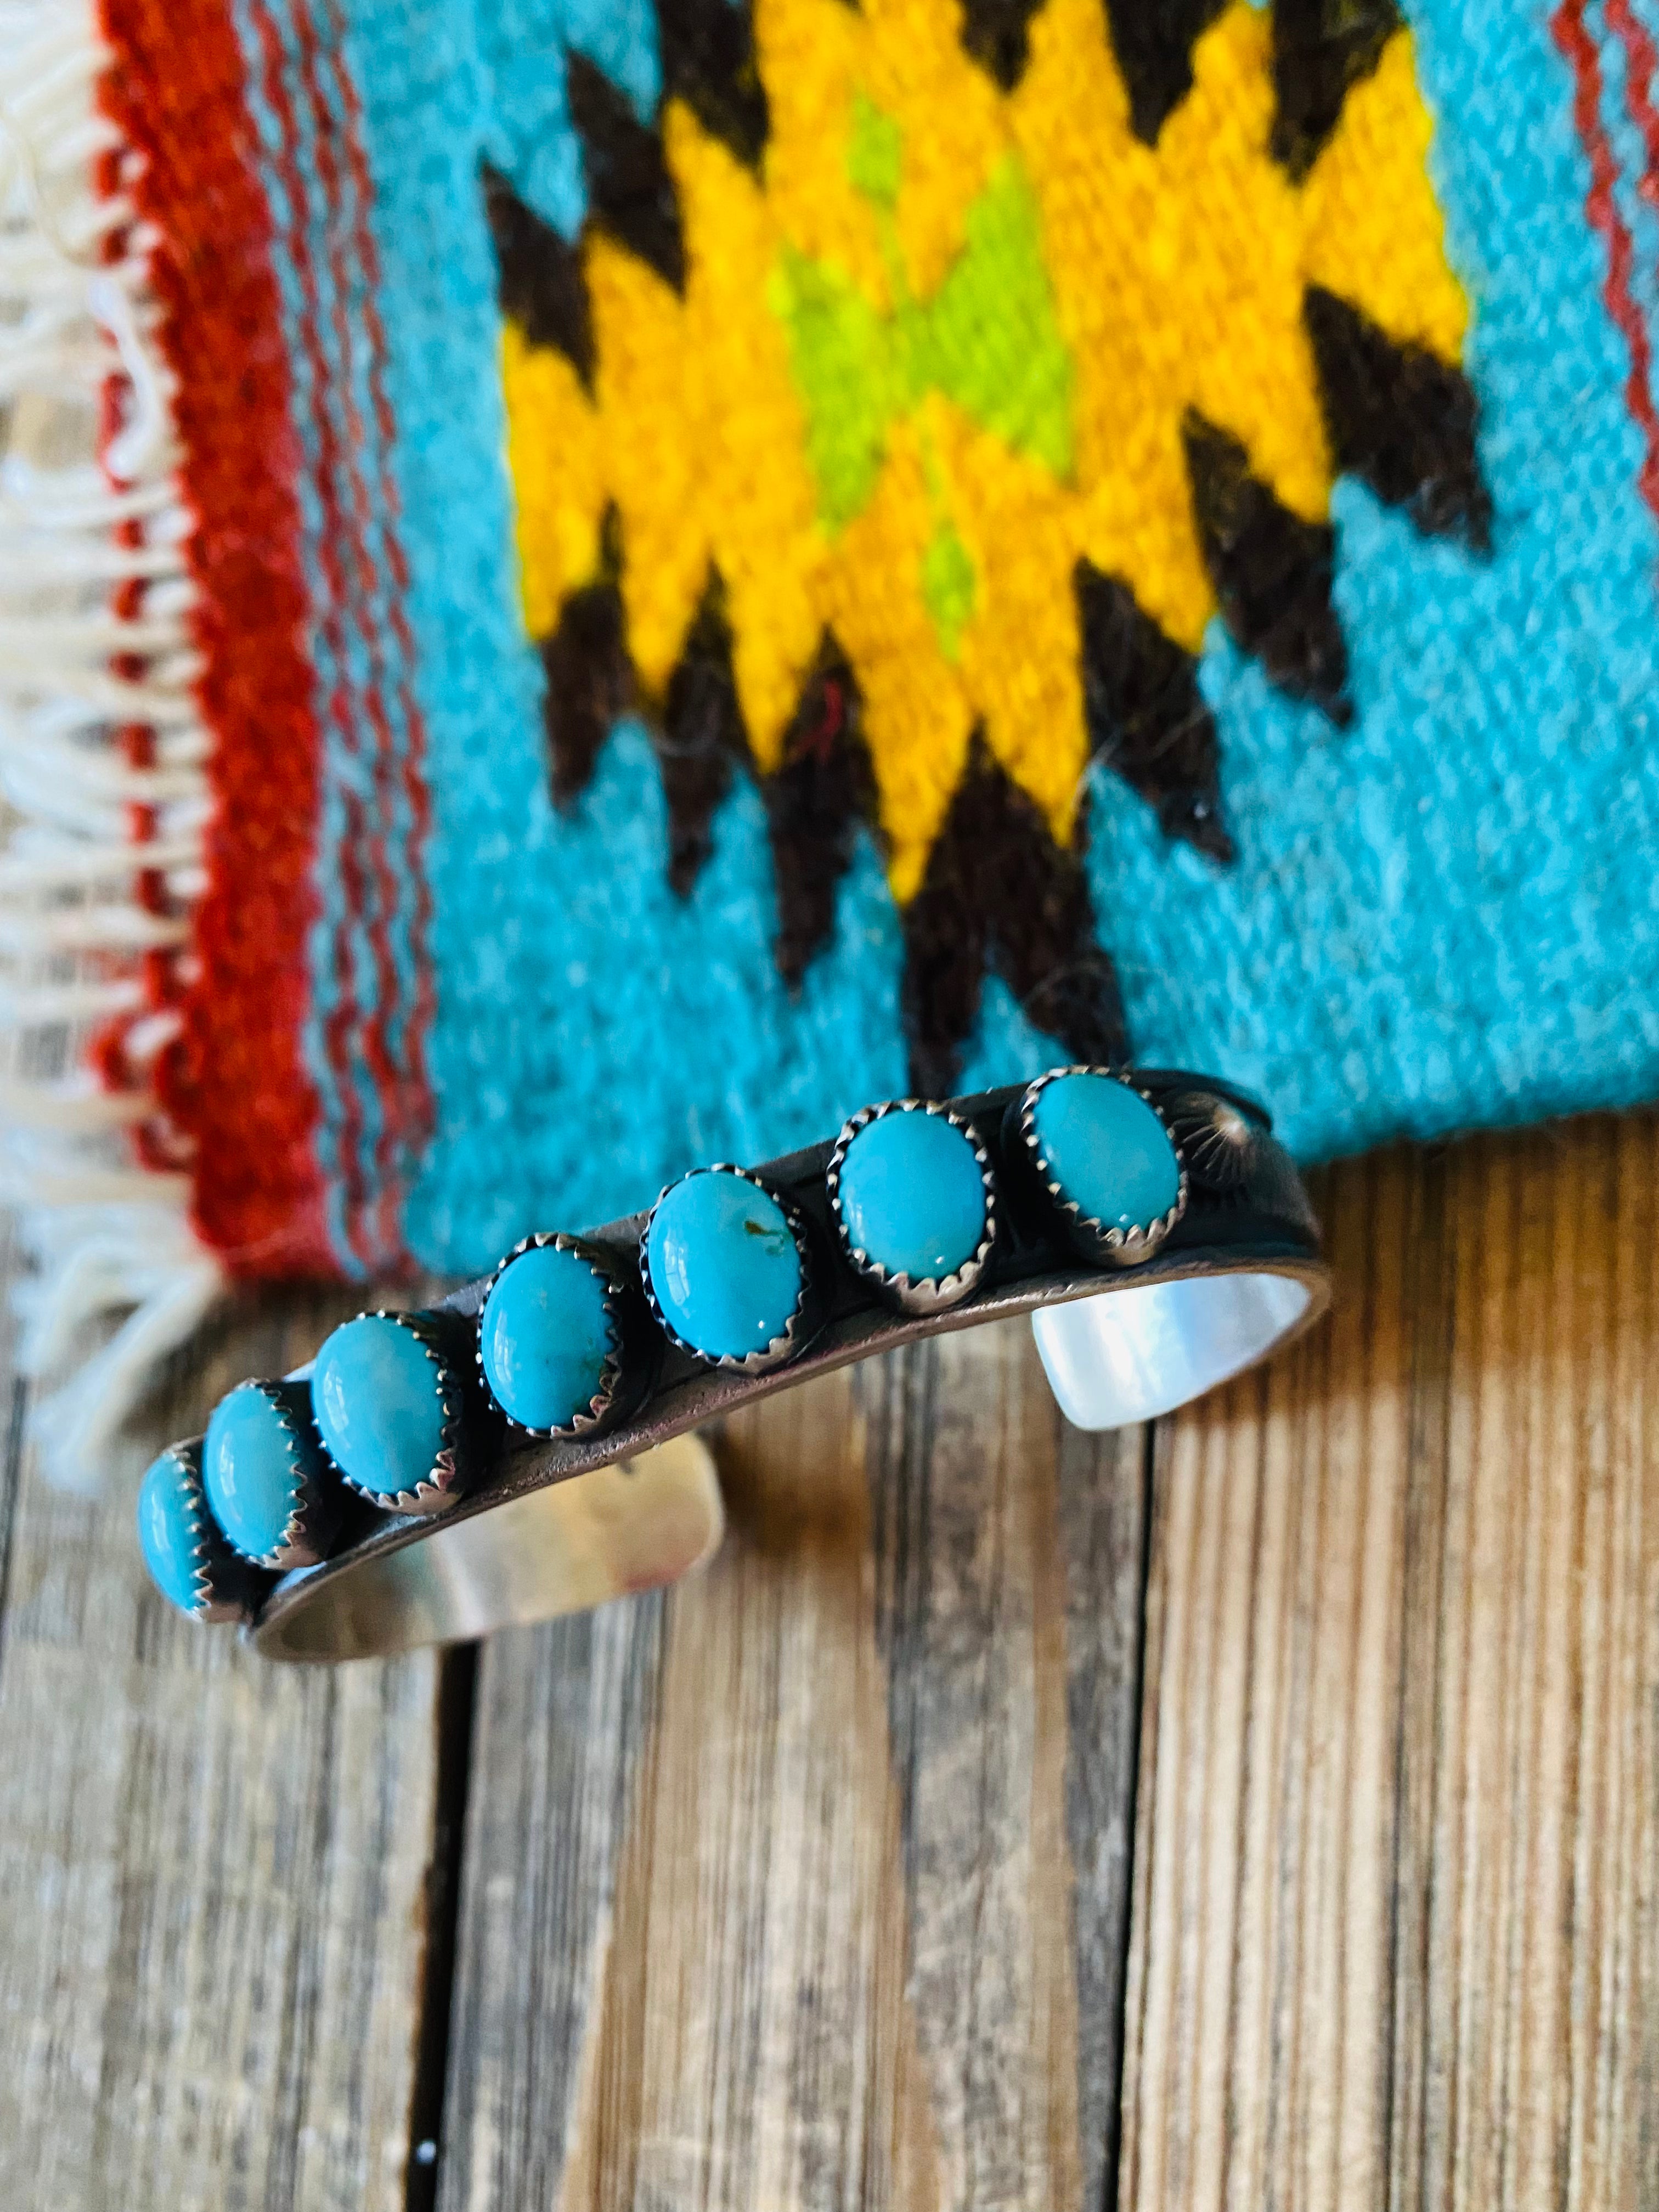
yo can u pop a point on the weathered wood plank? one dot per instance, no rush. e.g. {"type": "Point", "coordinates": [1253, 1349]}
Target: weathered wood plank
{"type": "Point", "coordinates": [1104, 1498]}
{"type": "Point", "coordinates": [1396, 1934]}
{"type": "Point", "coordinates": [747, 2047]}
{"type": "Point", "coordinates": [1008, 1559]}
{"type": "Point", "coordinates": [847, 1959]}
{"type": "Point", "coordinates": [561, 1714]}
{"type": "Point", "coordinates": [214, 1870]}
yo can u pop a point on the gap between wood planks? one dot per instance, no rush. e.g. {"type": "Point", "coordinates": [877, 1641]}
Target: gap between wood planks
{"type": "Point", "coordinates": [457, 1700]}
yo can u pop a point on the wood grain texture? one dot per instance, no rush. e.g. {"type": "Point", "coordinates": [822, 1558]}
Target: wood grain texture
{"type": "Point", "coordinates": [1395, 1937]}
{"type": "Point", "coordinates": [803, 1886]}
{"type": "Point", "coordinates": [836, 1952]}
{"type": "Point", "coordinates": [213, 1877]}
{"type": "Point", "coordinates": [561, 1715]}
{"type": "Point", "coordinates": [1007, 1554]}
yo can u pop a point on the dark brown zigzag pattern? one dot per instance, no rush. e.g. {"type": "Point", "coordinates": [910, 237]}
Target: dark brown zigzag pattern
{"type": "Point", "coordinates": [816, 801]}
{"type": "Point", "coordinates": [995, 33]}
{"type": "Point", "coordinates": [1152, 43]}
{"type": "Point", "coordinates": [1401, 418]}
{"type": "Point", "coordinates": [708, 50]}
{"type": "Point", "coordinates": [630, 190]}
{"type": "Point", "coordinates": [590, 677]}
{"type": "Point", "coordinates": [1395, 416]}
{"type": "Point", "coordinates": [1147, 719]}
{"type": "Point", "coordinates": [1271, 571]}
{"type": "Point", "coordinates": [999, 893]}
{"type": "Point", "coordinates": [1321, 49]}
{"type": "Point", "coordinates": [543, 288]}
{"type": "Point", "coordinates": [699, 735]}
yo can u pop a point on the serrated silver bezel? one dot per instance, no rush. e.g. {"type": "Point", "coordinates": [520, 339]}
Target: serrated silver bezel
{"type": "Point", "coordinates": [928, 1294]}
{"type": "Point", "coordinates": [438, 1488]}
{"type": "Point", "coordinates": [311, 1519]}
{"type": "Point", "coordinates": [782, 1347]}
{"type": "Point", "coordinates": [218, 1570]}
{"type": "Point", "coordinates": [602, 1406]}
{"type": "Point", "coordinates": [1117, 1248]}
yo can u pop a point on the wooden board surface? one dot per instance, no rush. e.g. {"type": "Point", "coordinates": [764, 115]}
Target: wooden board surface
{"type": "Point", "coordinates": [796, 1835]}
{"type": "Point", "coordinates": [842, 1876]}
{"type": "Point", "coordinates": [1396, 1935]}
{"type": "Point", "coordinates": [212, 1879]}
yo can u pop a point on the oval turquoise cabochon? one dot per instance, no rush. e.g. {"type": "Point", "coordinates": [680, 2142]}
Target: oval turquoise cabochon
{"type": "Point", "coordinates": [1107, 1149]}
{"type": "Point", "coordinates": [168, 1510]}
{"type": "Point", "coordinates": [545, 1337]}
{"type": "Point", "coordinates": [377, 1396]}
{"type": "Point", "coordinates": [724, 1266]}
{"type": "Point", "coordinates": [912, 1195]}
{"type": "Point", "coordinates": [250, 1471]}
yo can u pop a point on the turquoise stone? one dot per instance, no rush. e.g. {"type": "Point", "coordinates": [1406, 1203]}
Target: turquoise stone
{"type": "Point", "coordinates": [544, 1336]}
{"type": "Point", "coordinates": [250, 1472]}
{"type": "Point", "coordinates": [377, 1395]}
{"type": "Point", "coordinates": [169, 1511]}
{"type": "Point", "coordinates": [723, 1267]}
{"type": "Point", "coordinates": [1107, 1149]}
{"type": "Point", "coordinates": [912, 1196]}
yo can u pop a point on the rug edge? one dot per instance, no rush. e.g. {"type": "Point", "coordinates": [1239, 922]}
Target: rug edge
{"type": "Point", "coordinates": [104, 758]}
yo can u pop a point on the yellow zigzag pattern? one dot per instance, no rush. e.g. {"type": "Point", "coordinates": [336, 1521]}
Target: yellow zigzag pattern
{"type": "Point", "coordinates": [1177, 276]}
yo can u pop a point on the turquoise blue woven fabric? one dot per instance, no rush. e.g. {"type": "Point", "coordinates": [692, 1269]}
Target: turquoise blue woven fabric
{"type": "Point", "coordinates": [1440, 916]}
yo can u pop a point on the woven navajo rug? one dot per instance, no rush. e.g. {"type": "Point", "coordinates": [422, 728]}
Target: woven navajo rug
{"type": "Point", "coordinates": [663, 568]}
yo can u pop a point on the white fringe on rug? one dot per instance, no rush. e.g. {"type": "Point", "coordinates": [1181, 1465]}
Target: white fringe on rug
{"type": "Point", "coordinates": [109, 1237]}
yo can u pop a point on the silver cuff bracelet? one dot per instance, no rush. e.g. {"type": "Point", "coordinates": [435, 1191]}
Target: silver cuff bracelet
{"type": "Point", "coordinates": [526, 1448]}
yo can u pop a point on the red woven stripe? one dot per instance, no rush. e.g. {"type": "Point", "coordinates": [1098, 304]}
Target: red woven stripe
{"type": "Point", "coordinates": [1642, 58]}
{"type": "Point", "coordinates": [363, 852]}
{"type": "Point", "coordinates": [236, 1080]}
{"type": "Point", "coordinates": [1567, 26]}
